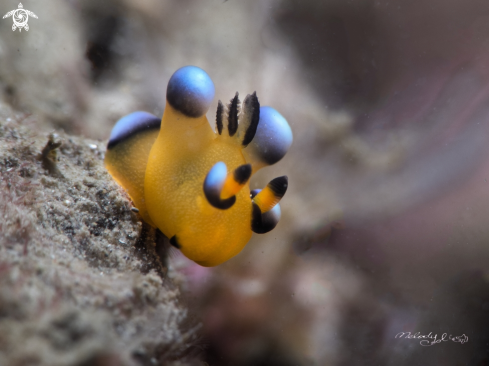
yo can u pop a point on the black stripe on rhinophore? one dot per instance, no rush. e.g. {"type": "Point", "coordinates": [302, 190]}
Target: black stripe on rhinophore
{"type": "Point", "coordinates": [233, 108]}
{"type": "Point", "coordinates": [242, 173]}
{"type": "Point", "coordinates": [255, 118]}
{"type": "Point", "coordinates": [220, 109]}
{"type": "Point", "coordinates": [174, 242]}
{"type": "Point", "coordinates": [279, 186]}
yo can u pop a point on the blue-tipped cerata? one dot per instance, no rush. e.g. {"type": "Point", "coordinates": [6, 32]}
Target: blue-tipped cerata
{"type": "Point", "coordinates": [213, 184]}
{"type": "Point", "coordinates": [273, 136]}
{"type": "Point", "coordinates": [190, 91]}
{"type": "Point", "coordinates": [130, 125]}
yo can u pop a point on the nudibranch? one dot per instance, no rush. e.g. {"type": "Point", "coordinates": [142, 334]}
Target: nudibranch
{"type": "Point", "coordinates": [191, 182]}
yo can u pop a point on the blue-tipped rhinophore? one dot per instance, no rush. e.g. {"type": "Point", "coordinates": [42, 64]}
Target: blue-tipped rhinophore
{"type": "Point", "coordinates": [190, 91]}
{"type": "Point", "coordinates": [132, 124]}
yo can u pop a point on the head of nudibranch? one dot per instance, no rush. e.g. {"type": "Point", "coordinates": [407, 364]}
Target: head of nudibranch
{"type": "Point", "coordinates": [192, 182]}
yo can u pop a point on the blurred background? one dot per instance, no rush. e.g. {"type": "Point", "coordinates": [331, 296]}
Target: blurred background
{"type": "Point", "coordinates": [384, 227]}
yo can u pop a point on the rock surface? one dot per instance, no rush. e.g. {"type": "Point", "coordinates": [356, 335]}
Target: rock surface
{"type": "Point", "coordinates": [77, 287]}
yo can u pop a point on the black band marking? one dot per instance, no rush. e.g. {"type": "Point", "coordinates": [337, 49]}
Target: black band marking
{"type": "Point", "coordinates": [242, 173]}
{"type": "Point", "coordinates": [220, 109]}
{"type": "Point", "coordinates": [146, 125]}
{"type": "Point", "coordinates": [191, 107]}
{"type": "Point", "coordinates": [213, 196]}
{"type": "Point", "coordinates": [233, 115]}
{"type": "Point", "coordinates": [268, 221]}
{"type": "Point", "coordinates": [255, 119]}
{"type": "Point", "coordinates": [263, 223]}
{"type": "Point", "coordinates": [219, 203]}
{"type": "Point", "coordinates": [271, 156]}
{"type": "Point", "coordinates": [256, 223]}
{"type": "Point", "coordinates": [279, 186]}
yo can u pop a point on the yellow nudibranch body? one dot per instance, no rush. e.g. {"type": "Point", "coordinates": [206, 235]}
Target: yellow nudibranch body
{"type": "Point", "coordinates": [193, 183]}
